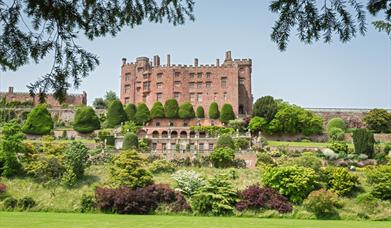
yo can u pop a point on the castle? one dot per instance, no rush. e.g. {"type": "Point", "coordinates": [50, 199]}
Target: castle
{"type": "Point", "coordinates": [148, 82]}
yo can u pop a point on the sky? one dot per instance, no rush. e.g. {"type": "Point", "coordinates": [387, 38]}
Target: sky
{"type": "Point", "coordinates": [356, 74]}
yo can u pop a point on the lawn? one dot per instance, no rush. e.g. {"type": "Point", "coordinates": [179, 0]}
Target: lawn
{"type": "Point", "coordinates": [58, 220]}
{"type": "Point", "coordinates": [302, 144]}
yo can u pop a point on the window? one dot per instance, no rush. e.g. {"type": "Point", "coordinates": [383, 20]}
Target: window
{"type": "Point", "coordinates": [127, 76]}
{"type": "Point", "coordinates": [145, 98]}
{"type": "Point", "coordinates": [210, 146]}
{"type": "Point", "coordinates": [225, 96]}
{"type": "Point", "coordinates": [192, 97]}
{"type": "Point", "coordinates": [146, 85]}
{"type": "Point", "coordinates": [138, 89]}
{"type": "Point", "coordinates": [177, 74]}
{"type": "Point", "coordinates": [157, 124]}
{"type": "Point", "coordinates": [224, 82]}
{"type": "Point", "coordinates": [159, 76]}
{"type": "Point", "coordinates": [126, 100]}
{"type": "Point", "coordinates": [199, 75]}
{"type": "Point", "coordinates": [199, 96]}
{"type": "Point", "coordinates": [127, 88]}
{"type": "Point", "coordinates": [159, 96]}
{"type": "Point", "coordinates": [201, 146]}
{"type": "Point", "coordinates": [154, 146]}
{"type": "Point", "coordinates": [241, 81]}
{"type": "Point", "coordinates": [191, 84]}
{"type": "Point", "coordinates": [159, 85]}
{"type": "Point", "coordinates": [177, 95]}
{"type": "Point", "coordinates": [177, 84]}
{"type": "Point", "coordinates": [140, 69]}
{"type": "Point", "coordinates": [208, 84]}
{"type": "Point", "coordinates": [199, 85]}
{"type": "Point", "coordinates": [208, 74]}
{"type": "Point", "coordinates": [192, 147]}
{"type": "Point", "coordinates": [173, 146]}
{"type": "Point", "coordinates": [191, 75]}
{"type": "Point", "coordinates": [215, 96]}
{"type": "Point", "coordinates": [164, 146]}
{"type": "Point", "coordinates": [145, 76]}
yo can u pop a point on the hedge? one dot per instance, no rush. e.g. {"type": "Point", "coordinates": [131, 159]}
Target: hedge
{"type": "Point", "coordinates": [142, 115]}
{"type": "Point", "coordinates": [39, 121]}
{"type": "Point", "coordinates": [86, 120]}
{"type": "Point", "coordinates": [227, 113]}
{"type": "Point", "coordinates": [157, 110]}
{"type": "Point", "coordinates": [186, 111]}
{"type": "Point", "coordinates": [115, 114]}
{"type": "Point", "coordinates": [214, 111]}
{"type": "Point", "coordinates": [171, 109]}
{"type": "Point", "coordinates": [200, 112]}
{"type": "Point", "coordinates": [131, 111]}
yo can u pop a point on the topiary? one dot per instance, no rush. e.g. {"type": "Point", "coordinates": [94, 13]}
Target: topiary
{"type": "Point", "coordinates": [214, 112]}
{"type": "Point", "coordinates": [363, 141]}
{"type": "Point", "coordinates": [157, 110]}
{"type": "Point", "coordinates": [186, 111]}
{"type": "Point", "coordinates": [225, 141]}
{"type": "Point", "coordinates": [171, 109]}
{"type": "Point", "coordinates": [39, 121]}
{"type": "Point", "coordinates": [222, 157]}
{"type": "Point", "coordinates": [131, 110]}
{"type": "Point", "coordinates": [130, 141]}
{"type": "Point", "coordinates": [322, 203]}
{"type": "Point", "coordinates": [142, 115]}
{"type": "Point", "coordinates": [265, 107]}
{"type": "Point", "coordinates": [115, 114]}
{"type": "Point", "coordinates": [336, 123]}
{"type": "Point", "coordinates": [86, 120]}
{"type": "Point", "coordinates": [200, 112]}
{"type": "Point", "coordinates": [227, 113]}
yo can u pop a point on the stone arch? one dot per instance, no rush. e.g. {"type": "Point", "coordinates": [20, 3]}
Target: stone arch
{"type": "Point", "coordinates": [192, 134]}
{"type": "Point", "coordinates": [164, 134]}
{"type": "Point", "coordinates": [183, 134]}
{"type": "Point", "coordinates": [174, 134]}
{"type": "Point", "coordinates": [142, 133]}
{"type": "Point", "coordinates": [155, 134]}
{"type": "Point", "coordinates": [202, 134]}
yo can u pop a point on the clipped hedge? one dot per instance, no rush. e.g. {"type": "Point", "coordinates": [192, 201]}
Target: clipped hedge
{"type": "Point", "coordinates": [130, 141]}
{"type": "Point", "coordinates": [39, 121]}
{"type": "Point", "coordinates": [115, 114]}
{"type": "Point", "coordinates": [131, 110]}
{"type": "Point", "coordinates": [86, 120]}
{"type": "Point", "coordinates": [200, 112]}
{"type": "Point", "coordinates": [157, 110]}
{"type": "Point", "coordinates": [142, 115]}
{"type": "Point", "coordinates": [171, 109]}
{"type": "Point", "coordinates": [227, 113]}
{"type": "Point", "coordinates": [214, 112]}
{"type": "Point", "coordinates": [186, 111]}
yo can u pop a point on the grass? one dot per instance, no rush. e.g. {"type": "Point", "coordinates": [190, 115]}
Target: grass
{"type": "Point", "coordinates": [59, 220]}
{"type": "Point", "coordinates": [302, 144]}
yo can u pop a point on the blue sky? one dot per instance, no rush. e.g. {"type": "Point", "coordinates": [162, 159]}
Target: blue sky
{"type": "Point", "coordinates": [352, 75]}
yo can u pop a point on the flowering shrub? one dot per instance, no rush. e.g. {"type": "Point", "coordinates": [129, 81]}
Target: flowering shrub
{"type": "Point", "coordinates": [188, 182]}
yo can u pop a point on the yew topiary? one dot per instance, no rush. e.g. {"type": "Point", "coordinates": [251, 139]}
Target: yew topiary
{"type": "Point", "coordinates": [227, 113]}
{"type": "Point", "coordinates": [214, 112]}
{"type": "Point", "coordinates": [130, 141]}
{"type": "Point", "coordinates": [115, 114]}
{"type": "Point", "coordinates": [200, 112]}
{"type": "Point", "coordinates": [186, 111]}
{"type": "Point", "coordinates": [157, 110]}
{"type": "Point", "coordinates": [171, 109]}
{"type": "Point", "coordinates": [86, 120]}
{"type": "Point", "coordinates": [39, 121]}
{"type": "Point", "coordinates": [142, 115]}
{"type": "Point", "coordinates": [130, 110]}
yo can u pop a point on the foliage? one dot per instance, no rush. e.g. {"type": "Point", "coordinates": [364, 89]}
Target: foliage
{"type": "Point", "coordinates": [143, 200]}
{"type": "Point", "coordinates": [10, 144]}
{"type": "Point", "coordinates": [378, 120]}
{"type": "Point", "coordinates": [142, 114]}
{"type": "Point", "coordinates": [157, 110]}
{"type": "Point", "coordinates": [214, 112]}
{"type": "Point", "coordinates": [264, 159]}
{"type": "Point", "coordinates": [222, 157]}
{"type": "Point", "coordinates": [87, 203]}
{"type": "Point", "coordinates": [379, 179]}
{"type": "Point", "coordinates": [6, 115]}
{"type": "Point", "coordinates": [363, 141]}
{"type": "Point", "coordinates": [225, 141]}
{"type": "Point", "coordinates": [86, 120]}
{"type": "Point", "coordinates": [256, 198]}
{"type": "Point", "coordinates": [107, 137]}
{"type": "Point", "coordinates": [186, 111]}
{"type": "Point", "coordinates": [131, 110]}
{"type": "Point", "coordinates": [322, 203]}
{"type": "Point", "coordinates": [241, 143]}
{"type": "Point", "coordinates": [99, 103]}
{"type": "Point", "coordinates": [129, 126]}
{"type": "Point", "coordinates": [161, 166]}
{"type": "Point", "coordinates": [39, 121]}
{"type": "Point", "coordinates": [10, 202]}
{"type": "Point", "coordinates": [329, 154]}
{"type": "Point", "coordinates": [265, 107]}
{"type": "Point", "coordinates": [336, 123]}
{"type": "Point", "coordinates": [110, 96]}
{"type": "Point", "coordinates": [338, 147]}
{"type": "Point", "coordinates": [227, 113]}
{"type": "Point", "coordinates": [217, 197]}
{"type": "Point", "coordinates": [115, 114]}
{"type": "Point", "coordinates": [188, 182]}
{"type": "Point", "coordinates": [383, 26]}
{"type": "Point", "coordinates": [340, 181]}
{"type": "Point", "coordinates": [46, 167]}
{"type": "Point", "coordinates": [127, 170]}
{"type": "Point", "coordinates": [294, 182]}
{"type": "Point", "coordinates": [308, 160]}
{"type": "Point", "coordinates": [257, 124]}
{"type": "Point", "coordinates": [75, 159]}
{"type": "Point", "coordinates": [200, 113]}
{"type": "Point", "coordinates": [26, 203]}
{"type": "Point", "coordinates": [213, 131]}
{"type": "Point", "coordinates": [171, 109]}
{"type": "Point", "coordinates": [237, 124]}
{"type": "Point", "coordinates": [130, 141]}
{"type": "Point", "coordinates": [3, 189]}
{"type": "Point", "coordinates": [336, 134]}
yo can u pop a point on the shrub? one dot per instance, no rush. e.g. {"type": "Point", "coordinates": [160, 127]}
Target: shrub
{"type": "Point", "coordinates": [99, 103]}
{"type": "Point", "coordinates": [329, 154]}
{"type": "Point", "coordinates": [115, 114]}
{"type": "Point", "coordinates": [186, 111]}
{"type": "Point", "coordinates": [363, 141]}
{"type": "Point", "coordinates": [322, 203]}
{"type": "Point", "coordinates": [10, 202]}
{"type": "Point", "coordinates": [217, 197]}
{"type": "Point", "coordinates": [26, 203]}
{"type": "Point", "coordinates": [265, 107]}
{"type": "Point", "coordinates": [225, 141]}
{"type": "Point", "coordinates": [10, 144]}
{"type": "Point", "coordinates": [241, 143]}
{"type": "Point", "coordinates": [87, 203]}
{"type": "Point", "coordinates": [45, 167]}
{"type": "Point", "coordinates": [3, 189]}
{"type": "Point", "coordinates": [157, 110]}
{"type": "Point", "coordinates": [264, 158]}
{"type": "Point", "coordinates": [222, 157]}
{"type": "Point", "coordinates": [127, 170]}
{"type": "Point", "coordinates": [107, 137]}
{"type": "Point", "coordinates": [336, 123]}
{"type": "Point", "coordinates": [214, 112]}
{"type": "Point", "coordinates": [308, 160]}
{"type": "Point", "coordinates": [294, 182]}
{"type": "Point", "coordinates": [188, 182]}
{"type": "Point", "coordinates": [227, 113]}
{"type": "Point", "coordinates": [238, 124]}
{"type": "Point", "coordinates": [380, 180]}
{"type": "Point", "coordinates": [75, 159]}
{"type": "Point", "coordinates": [162, 166]}
{"type": "Point", "coordinates": [378, 120]}
{"type": "Point", "coordinates": [86, 120]}
{"type": "Point", "coordinates": [39, 121]}
{"type": "Point", "coordinates": [339, 147]}
{"type": "Point", "coordinates": [200, 112]}
{"type": "Point", "coordinates": [257, 124]}
{"type": "Point", "coordinates": [142, 115]}
{"type": "Point", "coordinates": [256, 198]}
{"type": "Point", "coordinates": [131, 110]}
{"type": "Point", "coordinates": [130, 127]}
{"type": "Point", "coordinates": [340, 181]}
{"type": "Point", "coordinates": [336, 134]}
{"type": "Point", "coordinates": [171, 109]}
{"type": "Point", "coordinates": [130, 141]}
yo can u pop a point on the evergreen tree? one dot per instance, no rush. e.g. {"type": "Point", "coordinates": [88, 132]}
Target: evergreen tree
{"type": "Point", "coordinates": [86, 120]}
{"type": "Point", "coordinates": [200, 112]}
{"type": "Point", "coordinates": [265, 107]}
{"type": "Point", "coordinates": [131, 110]}
{"type": "Point", "coordinates": [227, 113]}
{"type": "Point", "coordinates": [142, 115]}
{"type": "Point", "coordinates": [171, 109]}
{"type": "Point", "coordinates": [115, 114]}
{"type": "Point", "coordinates": [214, 112]}
{"type": "Point", "coordinates": [130, 141]}
{"type": "Point", "coordinates": [363, 141]}
{"type": "Point", "coordinates": [157, 110]}
{"type": "Point", "coordinates": [186, 111]}
{"type": "Point", "coordinates": [39, 121]}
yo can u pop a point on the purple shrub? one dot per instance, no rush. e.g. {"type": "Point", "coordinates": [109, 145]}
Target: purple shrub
{"type": "Point", "coordinates": [3, 188]}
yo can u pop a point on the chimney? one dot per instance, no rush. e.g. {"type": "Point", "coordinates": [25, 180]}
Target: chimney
{"type": "Point", "coordinates": [157, 60]}
{"type": "Point", "coordinates": [154, 60]}
{"type": "Point", "coordinates": [11, 89]}
{"type": "Point", "coordinates": [168, 60]}
{"type": "Point", "coordinates": [228, 56]}
{"type": "Point", "coordinates": [123, 61]}
{"type": "Point", "coordinates": [218, 62]}
{"type": "Point", "coordinates": [195, 62]}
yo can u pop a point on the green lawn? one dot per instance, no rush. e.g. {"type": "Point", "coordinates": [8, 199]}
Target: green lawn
{"type": "Point", "coordinates": [302, 144]}
{"type": "Point", "coordinates": [58, 220]}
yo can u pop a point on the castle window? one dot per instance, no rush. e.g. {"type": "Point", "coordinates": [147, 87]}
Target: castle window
{"type": "Point", "coordinates": [157, 124]}
{"type": "Point", "coordinates": [145, 76]}
{"type": "Point", "coordinates": [138, 89]}
{"type": "Point", "coordinates": [224, 82]}
{"type": "Point", "coordinates": [191, 75]}
{"type": "Point", "coordinates": [159, 85]}
{"type": "Point", "coordinates": [208, 74]}
{"type": "Point", "coordinates": [126, 100]}
{"type": "Point", "coordinates": [199, 85]}
{"type": "Point", "coordinates": [177, 95]}
{"type": "Point", "coordinates": [145, 98]}
{"type": "Point", "coordinates": [201, 146]}
{"type": "Point", "coordinates": [241, 81]}
{"type": "Point", "coordinates": [159, 76]}
{"type": "Point", "coordinates": [199, 75]}
{"type": "Point", "coordinates": [154, 145]}
{"type": "Point", "coordinates": [159, 96]}
{"type": "Point", "coordinates": [146, 85]}
{"type": "Point", "coordinates": [208, 84]}
{"type": "Point", "coordinates": [127, 88]}
{"type": "Point", "coordinates": [177, 74]}
{"type": "Point", "coordinates": [199, 96]}
{"type": "Point", "coordinates": [140, 69]}
{"type": "Point", "coordinates": [210, 146]}
{"type": "Point", "coordinates": [127, 75]}
{"type": "Point", "coordinates": [191, 84]}
{"type": "Point", "coordinates": [177, 84]}
{"type": "Point", "coordinates": [192, 97]}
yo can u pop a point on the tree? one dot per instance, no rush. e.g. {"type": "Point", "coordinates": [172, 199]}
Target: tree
{"type": "Point", "coordinates": [257, 124]}
{"type": "Point", "coordinates": [378, 120]}
{"type": "Point", "coordinates": [115, 114]}
{"type": "Point", "coordinates": [225, 141]}
{"type": "Point", "coordinates": [265, 107]}
{"type": "Point", "coordinates": [32, 30]}
{"type": "Point", "coordinates": [214, 112]}
{"type": "Point", "coordinates": [39, 121]}
{"type": "Point", "coordinates": [86, 120]}
{"type": "Point", "coordinates": [200, 112]}
{"type": "Point", "coordinates": [10, 144]}
{"type": "Point", "coordinates": [157, 110]}
{"type": "Point", "coordinates": [142, 114]}
{"type": "Point", "coordinates": [363, 141]}
{"type": "Point", "coordinates": [75, 159]}
{"type": "Point", "coordinates": [336, 123]}
{"type": "Point", "coordinates": [171, 109]}
{"type": "Point", "coordinates": [227, 113]}
{"type": "Point", "coordinates": [99, 103]}
{"type": "Point", "coordinates": [186, 111]}
{"type": "Point", "coordinates": [222, 157]}
{"type": "Point", "coordinates": [131, 110]}
{"type": "Point", "coordinates": [130, 141]}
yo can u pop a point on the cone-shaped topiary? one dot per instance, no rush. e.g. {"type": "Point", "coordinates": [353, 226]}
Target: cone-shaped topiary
{"type": "Point", "coordinates": [227, 113]}
{"type": "Point", "coordinates": [171, 109]}
{"type": "Point", "coordinates": [186, 111]}
{"type": "Point", "coordinates": [200, 112]}
{"type": "Point", "coordinates": [39, 121]}
{"type": "Point", "coordinates": [86, 120]}
{"type": "Point", "coordinates": [131, 111]}
{"type": "Point", "coordinates": [214, 111]}
{"type": "Point", "coordinates": [157, 110]}
{"type": "Point", "coordinates": [115, 114]}
{"type": "Point", "coordinates": [130, 141]}
{"type": "Point", "coordinates": [142, 115]}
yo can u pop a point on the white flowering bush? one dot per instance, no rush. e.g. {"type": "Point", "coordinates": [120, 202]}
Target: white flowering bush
{"type": "Point", "coordinates": [188, 182]}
